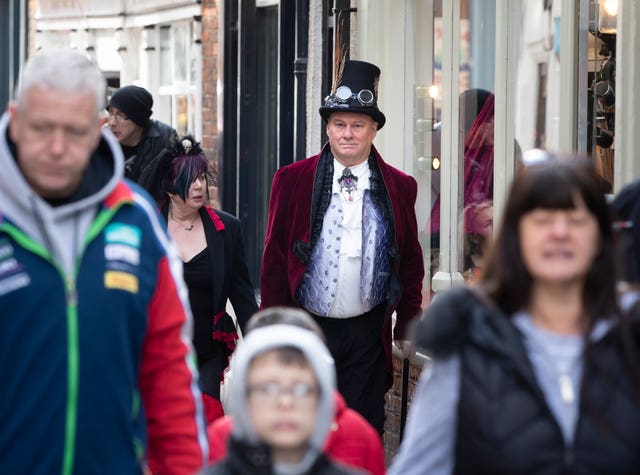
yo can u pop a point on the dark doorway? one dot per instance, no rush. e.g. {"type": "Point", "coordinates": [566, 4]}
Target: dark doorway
{"type": "Point", "coordinates": [260, 122]}
{"type": "Point", "coordinates": [13, 22]}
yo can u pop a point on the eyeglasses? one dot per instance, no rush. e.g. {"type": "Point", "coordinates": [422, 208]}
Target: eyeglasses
{"type": "Point", "coordinates": [344, 94]}
{"type": "Point", "coordinates": [301, 393]}
{"type": "Point", "coordinates": [118, 116]}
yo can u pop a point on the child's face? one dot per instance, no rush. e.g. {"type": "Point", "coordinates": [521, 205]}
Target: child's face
{"type": "Point", "coordinates": [282, 400]}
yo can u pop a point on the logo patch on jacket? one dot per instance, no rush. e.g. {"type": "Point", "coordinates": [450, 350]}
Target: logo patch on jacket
{"type": "Point", "coordinates": [121, 281]}
{"type": "Point", "coordinates": [12, 275]}
{"type": "Point", "coordinates": [120, 233]}
{"type": "Point", "coordinates": [121, 252]}
{"type": "Point", "coordinates": [122, 247]}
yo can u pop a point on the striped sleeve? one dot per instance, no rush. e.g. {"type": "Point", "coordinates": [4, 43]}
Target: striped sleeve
{"type": "Point", "coordinates": [168, 376]}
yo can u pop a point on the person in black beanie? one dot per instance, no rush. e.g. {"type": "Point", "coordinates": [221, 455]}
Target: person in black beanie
{"type": "Point", "coordinates": [140, 137]}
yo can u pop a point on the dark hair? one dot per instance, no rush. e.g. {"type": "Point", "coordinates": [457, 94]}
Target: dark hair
{"type": "Point", "coordinates": [174, 169]}
{"type": "Point", "coordinates": [552, 184]}
{"type": "Point", "coordinates": [289, 356]}
{"type": "Point", "coordinates": [183, 171]}
{"type": "Point", "coordinates": [471, 103]}
{"type": "Point", "coordinates": [284, 315]}
{"type": "Point", "coordinates": [556, 183]}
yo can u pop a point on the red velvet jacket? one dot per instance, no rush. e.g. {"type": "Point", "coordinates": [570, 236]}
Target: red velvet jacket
{"type": "Point", "coordinates": [352, 441]}
{"type": "Point", "coordinates": [293, 196]}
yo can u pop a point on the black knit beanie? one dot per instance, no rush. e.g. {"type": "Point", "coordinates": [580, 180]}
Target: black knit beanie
{"type": "Point", "coordinates": [135, 102]}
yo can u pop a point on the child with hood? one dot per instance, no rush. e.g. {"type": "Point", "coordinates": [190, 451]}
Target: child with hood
{"type": "Point", "coordinates": [281, 400]}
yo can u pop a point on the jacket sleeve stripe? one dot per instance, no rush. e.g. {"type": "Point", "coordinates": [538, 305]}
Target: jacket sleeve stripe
{"type": "Point", "coordinates": [170, 367]}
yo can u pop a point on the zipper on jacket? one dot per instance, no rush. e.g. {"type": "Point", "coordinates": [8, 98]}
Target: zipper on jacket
{"type": "Point", "coordinates": [71, 412]}
{"type": "Point", "coordinates": [71, 303]}
{"type": "Point", "coordinates": [73, 346]}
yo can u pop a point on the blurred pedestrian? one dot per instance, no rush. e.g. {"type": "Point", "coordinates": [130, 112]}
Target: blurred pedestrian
{"type": "Point", "coordinates": [351, 441]}
{"type": "Point", "coordinates": [211, 247]}
{"type": "Point", "coordinates": [140, 137]}
{"type": "Point", "coordinates": [93, 334]}
{"type": "Point", "coordinates": [342, 243]}
{"type": "Point", "coordinates": [282, 403]}
{"type": "Point", "coordinates": [535, 370]}
{"type": "Point", "coordinates": [626, 212]}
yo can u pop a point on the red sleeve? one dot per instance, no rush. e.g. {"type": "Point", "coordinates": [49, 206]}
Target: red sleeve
{"type": "Point", "coordinates": [168, 382]}
{"type": "Point", "coordinates": [354, 442]}
{"type": "Point", "coordinates": [274, 282]}
{"type": "Point", "coordinates": [218, 433]}
{"type": "Point", "coordinates": [411, 265]}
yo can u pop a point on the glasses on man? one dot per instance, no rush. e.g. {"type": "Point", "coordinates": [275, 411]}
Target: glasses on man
{"type": "Point", "coordinates": [270, 393]}
{"type": "Point", "coordinates": [344, 94]}
{"type": "Point", "coordinates": [117, 116]}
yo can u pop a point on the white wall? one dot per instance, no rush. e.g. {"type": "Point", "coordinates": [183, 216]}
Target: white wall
{"type": "Point", "coordinates": [381, 40]}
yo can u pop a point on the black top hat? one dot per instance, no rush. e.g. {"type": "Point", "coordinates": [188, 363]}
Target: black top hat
{"type": "Point", "coordinates": [355, 90]}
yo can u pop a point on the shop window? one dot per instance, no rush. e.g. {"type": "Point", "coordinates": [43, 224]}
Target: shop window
{"type": "Point", "coordinates": [179, 75]}
{"type": "Point", "coordinates": [601, 72]}
{"type": "Point", "coordinates": [474, 157]}
{"type": "Point", "coordinates": [540, 137]}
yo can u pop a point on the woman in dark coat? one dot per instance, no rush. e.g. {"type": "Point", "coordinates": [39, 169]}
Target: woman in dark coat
{"type": "Point", "coordinates": [535, 370]}
{"type": "Point", "coordinates": [210, 244]}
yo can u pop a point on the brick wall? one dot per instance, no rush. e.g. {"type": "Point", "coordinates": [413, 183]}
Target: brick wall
{"type": "Point", "coordinates": [210, 49]}
{"type": "Point", "coordinates": [394, 399]}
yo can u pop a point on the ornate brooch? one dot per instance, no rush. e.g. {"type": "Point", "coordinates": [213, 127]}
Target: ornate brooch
{"type": "Point", "coordinates": [348, 183]}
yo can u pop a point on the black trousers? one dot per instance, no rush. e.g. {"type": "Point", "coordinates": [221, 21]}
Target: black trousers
{"type": "Point", "coordinates": [356, 346]}
{"type": "Point", "coordinates": [209, 372]}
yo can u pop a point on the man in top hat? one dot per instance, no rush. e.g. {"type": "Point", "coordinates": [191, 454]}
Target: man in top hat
{"type": "Point", "coordinates": [342, 242]}
{"type": "Point", "coordinates": [140, 137]}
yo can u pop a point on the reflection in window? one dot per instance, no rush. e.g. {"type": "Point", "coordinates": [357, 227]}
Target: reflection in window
{"type": "Point", "coordinates": [166, 69]}
{"type": "Point", "coordinates": [476, 65]}
{"type": "Point", "coordinates": [601, 73]}
{"type": "Point", "coordinates": [181, 54]}
{"type": "Point", "coordinates": [182, 114]}
{"type": "Point", "coordinates": [477, 129]}
{"type": "Point", "coordinates": [478, 233]}
{"type": "Point", "coordinates": [179, 62]}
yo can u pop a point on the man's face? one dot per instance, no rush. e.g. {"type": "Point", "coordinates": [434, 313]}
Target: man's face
{"type": "Point", "coordinates": [350, 136]}
{"type": "Point", "coordinates": [126, 131]}
{"type": "Point", "coordinates": [55, 134]}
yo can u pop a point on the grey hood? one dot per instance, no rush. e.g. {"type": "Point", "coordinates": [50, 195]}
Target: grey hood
{"type": "Point", "coordinates": [268, 338]}
{"type": "Point", "coordinates": [60, 229]}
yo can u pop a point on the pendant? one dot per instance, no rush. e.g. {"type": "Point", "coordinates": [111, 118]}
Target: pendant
{"type": "Point", "coordinates": [566, 389]}
{"type": "Point", "coordinates": [348, 183]}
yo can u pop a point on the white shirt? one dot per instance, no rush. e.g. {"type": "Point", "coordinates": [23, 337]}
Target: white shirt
{"type": "Point", "coordinates": [348, 300]}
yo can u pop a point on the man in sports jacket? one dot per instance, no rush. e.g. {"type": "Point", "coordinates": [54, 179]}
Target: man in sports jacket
{"type": "Point", "coordinates": [94, 326]}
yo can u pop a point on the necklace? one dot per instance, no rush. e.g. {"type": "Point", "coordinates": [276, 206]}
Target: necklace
{"type": "Point", "coordinates": [186, 228]}
{"type": "Point", "coordinates": [561, 364]}
{"type": "Point", "coordinates": [566, 388]}
{"type": "Point", "coordinates": [348, 183]}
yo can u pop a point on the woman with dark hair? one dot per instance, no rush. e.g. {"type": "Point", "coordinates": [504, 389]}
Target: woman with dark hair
{"type": "Point", "coordinates": [210, 244]}
{"type": "Point", "coordinates": [535, 370]}
{"type": "Point", "coordinates": [476, 127]}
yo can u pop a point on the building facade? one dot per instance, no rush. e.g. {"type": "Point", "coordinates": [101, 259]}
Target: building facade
{"type": "Point", "coordinates": [546, 64]}
{"type": "Point", "coordinates": [13, 45]}
{"type": "Point", "coordinates": [155, 44]}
